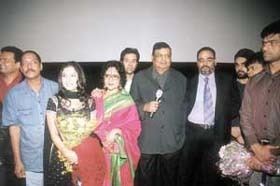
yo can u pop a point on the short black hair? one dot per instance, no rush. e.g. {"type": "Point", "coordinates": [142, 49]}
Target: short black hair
{"type": "Point", "coordinates": [256, 58]}
{"type": "Point", "coordinates": [244, 52]}
{"type": "Point", "coordinates": [208, 49]}
{"type": "Point", "coordinates": [160, 45]}
{"type": "Point", "coordinates": [16, 51]}
{"type": "Point", "coordinates": [272, 28]}
{"type": "Point", "coordinates": [130, 51]}
{"type": "Point", "coordinates": [32, 52]}
{"type": "Point", "coordinates": [119, 67]}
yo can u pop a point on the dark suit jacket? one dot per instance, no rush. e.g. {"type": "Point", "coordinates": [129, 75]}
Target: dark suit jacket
{"type": "Point", "coordinates": [226, 103]}
{"type": "Point", "coordinates": [165, 131]}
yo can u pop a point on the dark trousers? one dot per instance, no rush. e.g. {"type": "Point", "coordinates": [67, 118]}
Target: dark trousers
{"type": "Point", "coordinates": [8, 178]}
{"type": "Point", "coordinates": [199, 157]}
{"type": "Point", "coordinates": [157, 169]}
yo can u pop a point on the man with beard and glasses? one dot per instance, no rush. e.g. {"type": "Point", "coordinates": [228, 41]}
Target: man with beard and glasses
{"type": "Point", "coordinates": [211, 106]}
{"type": "Point", "coordinates": [240, 59]}
{"type": "Point", "coordinates": [260, 111]}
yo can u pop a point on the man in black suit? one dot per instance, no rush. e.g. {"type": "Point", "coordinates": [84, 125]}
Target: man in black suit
{"type": "Point", "coordinates": [211, 106]}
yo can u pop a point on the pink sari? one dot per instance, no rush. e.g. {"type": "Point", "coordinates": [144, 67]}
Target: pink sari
{"type": "Point", "coordinates": [119, 112]}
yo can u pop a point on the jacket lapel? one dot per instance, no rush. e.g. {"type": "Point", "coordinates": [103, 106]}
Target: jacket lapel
{"type": "Point", "coordinates": [149, 76]}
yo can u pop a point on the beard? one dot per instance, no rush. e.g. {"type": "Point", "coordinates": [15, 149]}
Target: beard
{"type": "Point", "coordinates": [206, 70]}
{"type": "Point", "coordinates": [242, 75]}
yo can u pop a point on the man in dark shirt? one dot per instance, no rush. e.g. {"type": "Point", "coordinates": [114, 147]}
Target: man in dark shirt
{"type": "Point", "coordinates": [240, 59]}
{"type": "Point", "coordinates": [260, 111]}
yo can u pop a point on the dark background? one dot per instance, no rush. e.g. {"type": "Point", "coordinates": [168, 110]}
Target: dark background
{"type": "Point", "coordinates": [93, 69]}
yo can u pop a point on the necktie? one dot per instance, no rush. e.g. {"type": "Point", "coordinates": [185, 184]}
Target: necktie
{"type": "Point", "coordinates": [208, 103]}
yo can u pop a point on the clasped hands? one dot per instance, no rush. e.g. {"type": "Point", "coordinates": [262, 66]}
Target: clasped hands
{"type": "Point", "coordinates": [264, 156]}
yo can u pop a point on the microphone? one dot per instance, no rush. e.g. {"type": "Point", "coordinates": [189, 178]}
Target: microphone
{"type": "Point", "coordinates": [158, 96]}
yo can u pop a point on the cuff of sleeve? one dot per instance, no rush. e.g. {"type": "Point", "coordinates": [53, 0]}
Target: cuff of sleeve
{"type": "Point", "coordinates": [252, 139]}
{"type": "Point", "coordinates": [235, 122]}
{"type": "Point", "coordinates": [141, 112]}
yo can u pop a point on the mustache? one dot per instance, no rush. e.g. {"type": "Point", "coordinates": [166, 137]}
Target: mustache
{"type": "Point", "coordinates": [204, 66]}
{"type": "Point", "coordinates": [30, 70]}
{"type": "Point", "coordinates": [241, 71]}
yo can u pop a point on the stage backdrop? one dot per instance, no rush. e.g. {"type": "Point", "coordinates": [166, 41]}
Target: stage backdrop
{"type": "Point", "coordinates": [97, 30]}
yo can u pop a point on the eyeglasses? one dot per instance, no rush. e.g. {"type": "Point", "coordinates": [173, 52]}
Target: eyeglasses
{"type": "Point", "coordinates": [273, 42]}
{"type": "Point", "coordinates": [162, 55]}
{"type": "Point", "coordinates": [112, 76]}
{"type": "Point", "coordinates": [208, 60]}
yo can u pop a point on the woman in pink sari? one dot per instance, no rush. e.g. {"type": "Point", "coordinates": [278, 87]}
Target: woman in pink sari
{"type": "Point", "coordinates": [119, 128]}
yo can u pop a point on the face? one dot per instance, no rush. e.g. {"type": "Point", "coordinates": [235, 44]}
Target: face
{"type": "Point", "coordinates": [162, 59]}
{"type": "Point", "coordinates": [112, 79]}
{"type": "Point", "coordinates": [271, 48]}
{"type": "Point", "coordinates": [30, 66]}
{"type": "Point", "coordinates": [240, 68]}
{"type": "Point", "coordinates": [206, 62]}
{"type": "Point", "coordinates": [7, 63]}
{"type": "Point", "coordinates": [254, 69]}
{"type": "Point", "coordinates": [130, 63]}
{"type": "Point", "coordinates": [69, 79]}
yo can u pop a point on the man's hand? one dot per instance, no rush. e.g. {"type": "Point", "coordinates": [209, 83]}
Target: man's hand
{"type": "Point", "coordinates": [151, 106]}
{"type": "Point", "coordinates": [19, 169]}
{"type": "Point", "coordinates": [264, 153]}
{"type": "Point", "coordinates": [254, 163]}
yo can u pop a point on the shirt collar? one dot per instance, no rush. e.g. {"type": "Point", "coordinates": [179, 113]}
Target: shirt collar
{"type": "Point", "coordinates": [268, 72]}
{"type": "Point", "coordinates": [210, 77]}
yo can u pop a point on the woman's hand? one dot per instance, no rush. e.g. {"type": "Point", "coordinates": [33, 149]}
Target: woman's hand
{"type": "Point", "coordinates": [110, 144]}
{"type": "Point", "coordinates": [97, 93]}
{"type": "Point", "coordinates": [71, 156]}
{"type": "Point", "coordinates": [111, 135]}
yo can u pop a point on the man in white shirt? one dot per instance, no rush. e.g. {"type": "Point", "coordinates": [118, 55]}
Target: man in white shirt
{"type": "Point", "coordinates": [130, 59]}
{"type": "Point", "coordinates": [211, 106]}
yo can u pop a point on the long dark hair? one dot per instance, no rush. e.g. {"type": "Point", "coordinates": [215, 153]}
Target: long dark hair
{"type": "Point", "coordinates": [81, 84]}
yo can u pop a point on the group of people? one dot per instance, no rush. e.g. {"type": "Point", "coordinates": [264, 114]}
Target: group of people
{"type": "Point", "coordinates": [153, 127]}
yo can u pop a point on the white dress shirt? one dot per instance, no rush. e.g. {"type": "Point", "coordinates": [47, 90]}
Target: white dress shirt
{"type": "Point", "coordinates": [128, 85]}
{"type": "Point", "coordinates": [197, 113]}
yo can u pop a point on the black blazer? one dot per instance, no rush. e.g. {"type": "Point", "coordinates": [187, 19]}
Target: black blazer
{"type": "Point", "coordinates": [227, 103]}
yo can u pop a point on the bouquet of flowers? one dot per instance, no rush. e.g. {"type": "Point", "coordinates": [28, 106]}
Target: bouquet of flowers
{"type": "Point", "coordinates": [233, 161]}
{"type": "Point", "coordinates": [238, 164]}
